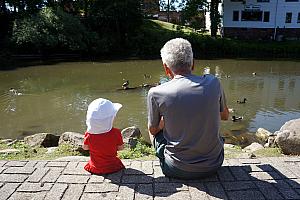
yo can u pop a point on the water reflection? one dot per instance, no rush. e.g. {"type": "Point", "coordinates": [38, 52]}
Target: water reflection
{"type": "Point", "coordinates": [55, 98]}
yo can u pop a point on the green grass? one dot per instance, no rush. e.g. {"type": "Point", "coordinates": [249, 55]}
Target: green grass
{"type": "Point", "coordinates": [142, 150]}
{"type": "Point", "coordinates": [268, 152]}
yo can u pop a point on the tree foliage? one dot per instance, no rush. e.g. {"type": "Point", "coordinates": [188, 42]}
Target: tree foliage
{"type": "Point", "coordinates": [50, 29]}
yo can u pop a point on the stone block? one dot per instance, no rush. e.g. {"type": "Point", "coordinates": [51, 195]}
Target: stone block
{"type": "Point", "coordinates": [7, 190]}
{"type": "Point", "coordinates": [37, 175]}
{"type": "Point", "coordinates": [13, 178]}
{"type": "Point", "coordinates": [126, 192]}
{"type": "Point", "coordinates": [56, 164]}
{"type": "Point", "coordinates": [19, 170]}
{"type": "Point", "coordinates": [102, 196]}
{"type": "Point", "coordinates": [28, 196]}
{"type": "Point", "coordinates": [15, 164]}
{"type": "Point", "coordinates": [169, 187]}
{"type": "Point", "coordinates": [137, 179]}
{"type": "Point", "coordinates": [245, 195]}
{"type": "Point", "coordinates": [52, 175]}
{"type": "Point", "coordinates": [34, 187]}
{"type": "Point", "coordinates": [74, 192]}
{"type": "Point", "coordinates": [238, 185]}
{"type": "Point", "coordinates": [216, 190]}
{"type": "Point", "coordinates": [73, 179]}
{"type": "Point", "coordinates": [56, 192]}
{"type": "Point", "coordinates": [102, 187]}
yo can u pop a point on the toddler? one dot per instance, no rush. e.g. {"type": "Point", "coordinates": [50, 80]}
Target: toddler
{"type": "Point", "coordinates": [101, 139]}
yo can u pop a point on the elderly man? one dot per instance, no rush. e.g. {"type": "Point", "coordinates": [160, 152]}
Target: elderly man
{"type": "Point", "coordinates": [184, 116]}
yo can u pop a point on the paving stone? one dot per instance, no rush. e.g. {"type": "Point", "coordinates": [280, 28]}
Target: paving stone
{"type": "Point", "coordinates": [76, 171]}
{"type": "Point", "coordinates": [1, 184]}
{"type": "Point", "coordinates": [239, 173]}
{"type": "Point", "coordinates": [13, 178]}
{"type": "Point", "coordinates": [198, 191]}
{"type": "Point", "coordinates": [81, 164]}
{"type": "Point", "coordinates": [7, 190]}
{"type": "Point", "coordinates": [289, 193]}
{"type": "Point", "coordinates": [238, 185]}
{"type": "Point", "coordinates": [101, 187]}
{"type": "Point", "coordinates": [31, 163]}
{"type": "Point", "coordinates": [56, 191]}
{"type": "Point", "coordinates": [137, 179]}
{"type": "Point", "coordinates": [34, 187]}
{"type": "Point", "coordinates": [169, 187]}
{"type": "Point", "coordinates": [144, 191]}
{"type": "Point", "coordinates": [295, 183]}
{"type": "Point", "coordinates": [126, 163]}
{"type": "Point", "coordinates": [215, 190]}
{"type": "Point", "coordinates": [73, 192]}
{"type": "Point", "coordinates": [28, 196]}
{"type": "Point", "coordinates": [56, 164]}
{"type": "Point", "coordinates": [147, 167]}
{"type": "Point", "coordinates": [245, 195]}
{"type": "Point", "coordinates": [19, 170]}
{"type": "Point", "coordinates": [126, 192]}
{"type": "Point", "coordinates": [286, 173]}
{"type": "Point", "coordinates": [291, 159]}
{"type": "Point", "coordinates": [173, 196]}
{"type": "Point", "coordinates": [225, 174]}
{"type": "Point", "coordinates": [159, 176]}
{"type": "Point", "coordinates": [212, 178]}
{"type": "Point", "coordinates": [52, 175]}
{"type": "Point", "coordinates": [72, 179]}
{"type": "Point", "coordinates": [72, 165]}
{"type": "Point", "coordinates": [265, 175]}
{"type": "Point", "coordinates": [41, 164]}
{"type": "Point", "coordinates": [2, 163]}
{"type": "Point", "coordinates": [234, 162]}
{"type": "Point", "coordinates": [268, 189]}
{"type": "Point", "coordinates": [102, 196]}
{"type": "Point", "coordinates": [249, 161]}
{"type": "Point", "coordinates": [15, 164]}
{"type": "Point", "coordinates": [37, 175]}
{"type": "Point", "coordinates": [156, 163]}
{"type": "Point", "coordinates": [96, 179]}
{"type": "Point", "coordinates": [2, 169]}
{"type": "Point", "coordinates": [114, 177]}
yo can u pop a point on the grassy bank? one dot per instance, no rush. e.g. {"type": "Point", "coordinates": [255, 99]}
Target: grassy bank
{"type": "Point", "coordinates": [141, 151]}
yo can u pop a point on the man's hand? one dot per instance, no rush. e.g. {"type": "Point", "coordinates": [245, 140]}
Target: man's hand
{"type": "Point", "coordinates": [225, 114]}
{"type": "Point", "coordinates": [154, 130]}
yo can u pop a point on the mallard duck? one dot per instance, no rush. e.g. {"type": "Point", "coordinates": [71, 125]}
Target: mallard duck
{"type": "Point", "coordinates": [147, 76]}
{"type": "Point", "coordinates": [241, 101]}
{"type": "Point", "coordinates": [236, 118]}
{"type": "Point", "coordinates": [125, 85]}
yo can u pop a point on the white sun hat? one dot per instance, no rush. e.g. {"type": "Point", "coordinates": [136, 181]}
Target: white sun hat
{"type": "Point", "coordinates": [100, 115]}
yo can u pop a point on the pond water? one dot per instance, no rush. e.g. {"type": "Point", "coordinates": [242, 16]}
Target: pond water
{"type": "Point", "coordinates": [54, 98]}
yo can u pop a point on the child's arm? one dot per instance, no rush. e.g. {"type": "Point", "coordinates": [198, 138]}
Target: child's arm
{"type": "Point", "coordinates": [85, 147]}
{"type": "Point", "coordinates": [121, 147]}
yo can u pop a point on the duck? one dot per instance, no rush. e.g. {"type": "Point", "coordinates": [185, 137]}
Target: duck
{"type": "Point", "coordinates": [236, 118]}
{"type": "Point", "coordinates": [254, 73]}
{"type": "Point", "coordinates": [125, 85]}
{"type": "Point", "coordinates": [231, 110]}
{"type": "Point", "coordinates": [147, 76]}
{"type": "Point", "coordinates": [241, 101]}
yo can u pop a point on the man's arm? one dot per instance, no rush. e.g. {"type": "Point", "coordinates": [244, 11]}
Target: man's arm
{"type": "Point", "coordinates": [225, 114]}
{"type": "Point", "coordinates": [154, 130]}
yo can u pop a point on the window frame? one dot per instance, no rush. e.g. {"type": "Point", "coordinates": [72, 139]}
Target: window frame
{"type": "Point", "coordinates": [288, 20]}
{"type": "Point", "coordinates": [238, 15]}
{"type": "Point", "coordinates": [265, 16]}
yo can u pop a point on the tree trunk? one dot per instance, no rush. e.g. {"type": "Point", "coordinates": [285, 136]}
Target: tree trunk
{"type": "Point", "coordinates": [214, 17]}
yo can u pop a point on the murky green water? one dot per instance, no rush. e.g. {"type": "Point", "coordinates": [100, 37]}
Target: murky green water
{"type": "Point", "coordinates": [54, 98]}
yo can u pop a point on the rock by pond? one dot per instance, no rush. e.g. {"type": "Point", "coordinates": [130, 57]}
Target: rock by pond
{"type": "Point", "coordinates": [42, 139]}
{"type": "Point", "coordinates": [288, 137]}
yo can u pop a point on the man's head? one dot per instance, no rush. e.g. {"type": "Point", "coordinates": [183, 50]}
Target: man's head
{"type": "Point", "coordinates": [177, 55]}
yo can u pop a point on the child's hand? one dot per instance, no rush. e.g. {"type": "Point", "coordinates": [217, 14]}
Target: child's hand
{"type": "Point", "coordinates": [85, 147]}
{"type": "Point", "coordinates": [121, 147]}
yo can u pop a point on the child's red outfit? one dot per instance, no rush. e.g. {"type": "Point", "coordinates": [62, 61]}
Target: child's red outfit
{"type": "Point", "coordinates": [103, 152]}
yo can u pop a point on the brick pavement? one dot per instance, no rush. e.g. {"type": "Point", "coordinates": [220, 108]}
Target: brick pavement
{"type": "Point", "coordinates": [260, 178]}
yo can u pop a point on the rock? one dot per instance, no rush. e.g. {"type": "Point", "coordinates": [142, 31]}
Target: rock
{"type": "Point", "coordinates": [270, 142]}
{"type": "Point", "coordinates": [254, 147]}
{"type": "Point", "coordinates": [263, 134]}
{"type": "Point", "coordinates": [51, 150]}
{"type": "Point", "coordinates": [42, 139]}
{"type": "Point", "coordinates": [288, 137]}
{"type": "Point", "coordinates": [229, 145]}
{"type": "Point", "coordinates": [72, 138]}
{"type": "Point", "coordinates": [130, 135]}
{"type": "Point", "coordinates": [12, 142]}
{"type": "Point", "coordinates": [6, 141]}
{"type": "Point", "coordinates": [9, 151]}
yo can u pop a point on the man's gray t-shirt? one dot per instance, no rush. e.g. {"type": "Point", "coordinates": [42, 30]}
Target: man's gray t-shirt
{"type": "Point", "coordinates": [190, 106]}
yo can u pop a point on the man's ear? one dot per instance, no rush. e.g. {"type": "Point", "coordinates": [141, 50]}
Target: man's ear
{"type": "Point", "coordinates": [168, 72]}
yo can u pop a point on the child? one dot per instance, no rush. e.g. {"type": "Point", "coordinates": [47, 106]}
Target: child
{"type": "Point", "coordinates": [101, 138]}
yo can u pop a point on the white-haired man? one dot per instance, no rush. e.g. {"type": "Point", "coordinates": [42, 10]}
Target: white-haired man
{"type": "Point", "coordinates": [184, 116]}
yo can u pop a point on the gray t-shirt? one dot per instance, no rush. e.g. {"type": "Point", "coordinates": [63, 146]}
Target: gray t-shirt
{"type": "Point", "coordinates": [190, 106]}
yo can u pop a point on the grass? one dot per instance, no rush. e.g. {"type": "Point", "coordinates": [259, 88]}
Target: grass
{"type": "Point", "coordinates": [142, 151]}
{"type": "Point", "coordinates": [173, 27]}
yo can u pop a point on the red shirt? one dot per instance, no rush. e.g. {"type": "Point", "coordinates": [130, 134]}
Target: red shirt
{"type": "Point", "coordinates": [103, 152]}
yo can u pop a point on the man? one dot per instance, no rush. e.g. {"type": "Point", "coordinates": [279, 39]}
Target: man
{"type": "Point", "coordinates": [184, 116]}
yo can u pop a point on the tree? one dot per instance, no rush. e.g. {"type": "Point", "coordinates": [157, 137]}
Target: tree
{"type": "Point", "coordinates": [193, 13]}
{"type": "Point", "coordinates": [214, 17]}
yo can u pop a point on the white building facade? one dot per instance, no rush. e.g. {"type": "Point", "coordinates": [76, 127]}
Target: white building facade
{"type": "Point", "coordinates": [261, 19]}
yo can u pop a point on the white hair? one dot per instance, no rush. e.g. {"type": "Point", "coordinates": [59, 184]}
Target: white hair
{"type": "Point", "coordinates": [177, 54]}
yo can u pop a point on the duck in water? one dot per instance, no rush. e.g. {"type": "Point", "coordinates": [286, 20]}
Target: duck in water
{"type": "Point", "coordinates": [125, 85]}
{"type": "Point", "coordinates": [241, 101]}
{"type": "Point", "coordinates": [236, 118]}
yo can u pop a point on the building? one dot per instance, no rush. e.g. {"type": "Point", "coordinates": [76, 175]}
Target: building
{"type": "Point", "coordinates": [150, 8]}
{"type": "Point", "coordinates": [174, 16]}
{"type": "Point", "coordinates": [261, 19]}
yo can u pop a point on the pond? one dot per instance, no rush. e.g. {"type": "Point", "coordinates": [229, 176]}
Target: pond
{"type": "Point", "coordinates": [54, 98]}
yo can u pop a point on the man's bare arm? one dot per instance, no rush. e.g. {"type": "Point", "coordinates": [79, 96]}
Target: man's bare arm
{"type": "Point", "coordinates": [225, 114]}
{"type": "Point", "coordinates": [154, 130]}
